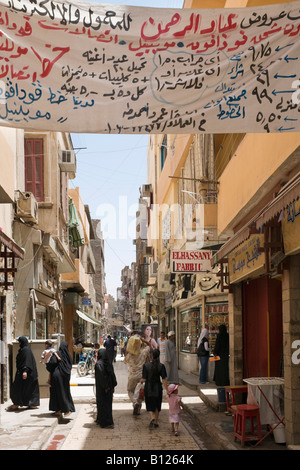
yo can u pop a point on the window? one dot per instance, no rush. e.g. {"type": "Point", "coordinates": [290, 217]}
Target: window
{"type": "Point", "coordinates": [38, 326]}
{"type": "Point", "coordinates": [34, 162]}
{"type": "Point", "coordinates": [190, 329]}
{"type": "Point", "coordinates": [216, 314]}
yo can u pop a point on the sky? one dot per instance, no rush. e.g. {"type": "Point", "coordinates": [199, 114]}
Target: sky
{"type": "Point", "coordinates": [110, 171]}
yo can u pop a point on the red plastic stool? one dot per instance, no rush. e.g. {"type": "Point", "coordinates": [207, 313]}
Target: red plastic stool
{"type": "Point", "coordinates": [241, 414]}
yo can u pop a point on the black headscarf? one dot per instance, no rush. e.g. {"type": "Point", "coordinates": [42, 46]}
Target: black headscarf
{"type": "Point", "coordinates": [222, 342]}
{"type": "Point", "coordinates": [65, 365]}
{"type": "Point", "coordinates": [25, 359]}
{"type": "Point", "coordinates": [154, 373]}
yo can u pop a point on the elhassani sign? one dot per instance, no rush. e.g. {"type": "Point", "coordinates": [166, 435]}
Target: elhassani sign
{"type": "Point", "coordinates": [191, 261]}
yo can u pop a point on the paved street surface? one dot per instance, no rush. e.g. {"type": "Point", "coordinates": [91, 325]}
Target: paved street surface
{"type": "Point", "coordinates": [80, 432]}
{"type": "Point", "coordinates": [202, 428]}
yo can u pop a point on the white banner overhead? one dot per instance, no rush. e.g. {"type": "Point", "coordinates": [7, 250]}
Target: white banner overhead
{"type": "Point", "coordinates": [89, 67]}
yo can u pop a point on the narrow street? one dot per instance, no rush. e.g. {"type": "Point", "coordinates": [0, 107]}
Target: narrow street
{"type": "Point", "coordinates": [80, 432]}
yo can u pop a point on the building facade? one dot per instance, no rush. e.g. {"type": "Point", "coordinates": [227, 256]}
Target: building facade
{"type": "Point", "coordinates": [258, 203]}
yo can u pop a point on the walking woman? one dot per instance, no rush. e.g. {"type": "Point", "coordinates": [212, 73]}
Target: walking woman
{"type": "Point", "coordinates": [152, 373]}
{"type": "Point", "coordinates": [60, 394]}
{"type": "Point", "coordinates": [105, 383]}
{"type": "Point", "coordinates": [203, 355]}
{"type": "Point", "coordinates": [25, 389]}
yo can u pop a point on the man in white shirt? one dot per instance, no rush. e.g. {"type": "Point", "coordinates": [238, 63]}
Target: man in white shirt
{"type": "Point", "coordinates": [162, 347]}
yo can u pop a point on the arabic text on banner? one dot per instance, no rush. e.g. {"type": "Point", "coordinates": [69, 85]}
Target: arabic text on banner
{"type": "Point", "coordinates": [88, 67]}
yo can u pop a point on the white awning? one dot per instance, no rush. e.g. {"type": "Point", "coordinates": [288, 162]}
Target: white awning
{"type": "Point", "coordinates": [88, 318]}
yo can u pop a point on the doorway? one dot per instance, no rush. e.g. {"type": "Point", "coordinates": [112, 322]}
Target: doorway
{"type": "Point", "coordinates": [262, 327]}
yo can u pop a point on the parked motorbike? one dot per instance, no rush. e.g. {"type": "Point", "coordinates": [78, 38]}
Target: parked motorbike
{"type": "Point", "coordinates": [86, 363]}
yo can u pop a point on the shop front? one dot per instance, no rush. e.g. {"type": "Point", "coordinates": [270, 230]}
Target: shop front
{"type": "Point", "coordinates": [260, 267]}
{"type": "Point", "coordinates": [192, 321]}
{"type": "Point", "coordinates": [262, 308]}
{"type": "Point", "coordinates": [198, 302]}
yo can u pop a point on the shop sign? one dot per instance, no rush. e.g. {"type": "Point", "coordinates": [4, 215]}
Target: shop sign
{"type": "Point", "coordinates": [247, 261]}
{"type": "Point", "coordinates": [191, 261]}
{"type": "Point", "coordinates": [291, 228]}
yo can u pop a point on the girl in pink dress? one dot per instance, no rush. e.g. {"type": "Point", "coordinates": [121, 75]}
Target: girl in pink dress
{"type": "Point", "coordinates": [175, 406]}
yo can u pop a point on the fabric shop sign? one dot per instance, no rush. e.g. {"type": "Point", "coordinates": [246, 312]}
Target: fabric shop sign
{"type": "Point", "coordinates": [247, 260]}
{"type": "Point", "coordinates": [99, 68]}
{"type": "Point", "coordinates": [191, 261]}
{"type": "Point", "coordinates": [291, 228]}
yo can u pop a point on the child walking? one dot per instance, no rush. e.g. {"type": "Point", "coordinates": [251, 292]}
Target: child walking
{"type": "Point", "coordinates": [175, 406]}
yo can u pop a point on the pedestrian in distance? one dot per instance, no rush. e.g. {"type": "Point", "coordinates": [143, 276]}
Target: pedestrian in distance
{"type": "Point", "coordinates": [122, 347]}
{"type": "Point", "coordinates": [61, 401]}
{"type": "Point", "coordinates": [106, 382]}
{"type": "Point", "coordinates": [25, 388]}
{"type": "Point", "coordinates": [203, 355]}
{"type": "Point", "coordinates": [115, 348]}
{"type": "Point", "coordinates": [154, 375]}
{"type": "Point", "coordinates": [109, 345]}
{"type": "Point", "coordinates": [175, 406]}
{"type": "Point", "coordinates": [171, 362]}
{"type": "Point", "coordinates": [162, 347]}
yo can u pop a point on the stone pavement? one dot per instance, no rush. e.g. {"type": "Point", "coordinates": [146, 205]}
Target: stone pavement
{"type": "Point", "coordinates": [33, 429]}
{"type": "Point", "coordinates": [130, 433]}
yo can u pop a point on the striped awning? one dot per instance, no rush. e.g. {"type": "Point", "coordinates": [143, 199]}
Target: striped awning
{"type": "Point", "coordinates": [88, 318]}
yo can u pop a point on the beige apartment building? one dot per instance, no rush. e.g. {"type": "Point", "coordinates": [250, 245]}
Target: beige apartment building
{"type": "Point", "coordinates": [82, 311]}
{"type": "Point", "coordinates": [248, 186]}
{"type": "Point", "coordinates": [47, 264]}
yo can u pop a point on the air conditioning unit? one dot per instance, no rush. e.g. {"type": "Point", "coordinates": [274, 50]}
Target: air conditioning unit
{"type": "Point", "coordinates": [27, 207]}
{"type": "Point", "coordinates": [146, 190]}
{"type": "Point", "coordinates": [153, 268]}
{"type": "Point", "coordinates": [67, 161]}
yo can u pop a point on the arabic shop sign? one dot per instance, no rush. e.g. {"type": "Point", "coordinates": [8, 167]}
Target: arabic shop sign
{"type": "Point", "coordinates": [191, 261]}
{"type": "Point", "coordinates": [88, 67]}
{"type": "Point", "coordinates": [291, 228]}
{"type": "Point", "coordinates": [247, 260]}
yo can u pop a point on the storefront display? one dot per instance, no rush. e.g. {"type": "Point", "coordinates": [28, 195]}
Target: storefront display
{"type": "Point", "coordinates": [216, 314]}
{"type": "Point", "coordinates": [190, 329]}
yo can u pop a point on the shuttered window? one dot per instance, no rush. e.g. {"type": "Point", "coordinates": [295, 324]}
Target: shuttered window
{"type": "Point", "coordinates": [34, 159]}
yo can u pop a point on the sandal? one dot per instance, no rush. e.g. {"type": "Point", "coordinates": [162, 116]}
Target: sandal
{"type": "Point", "coordinates": [176, 433]}
{"type": "Point", "coordinates": [152, 423]}
{"type": "Point", "coordinates": [12, 408]}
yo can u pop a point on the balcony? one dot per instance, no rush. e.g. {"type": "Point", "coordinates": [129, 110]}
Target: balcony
{"type": "Point", "coordinates": [79, 280]}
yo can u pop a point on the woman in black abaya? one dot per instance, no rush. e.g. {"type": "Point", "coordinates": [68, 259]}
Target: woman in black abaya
{"type": "Point", "coordinates": [105, 384]}
{"type": "Point", "coordinates": [25, 389]}
{"type": "Point", "coordinates": [222, 350]}
{"type": "Point", "coordinates": [154, 374]}
{"type": "Point", "coordinates": [60, 394]}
